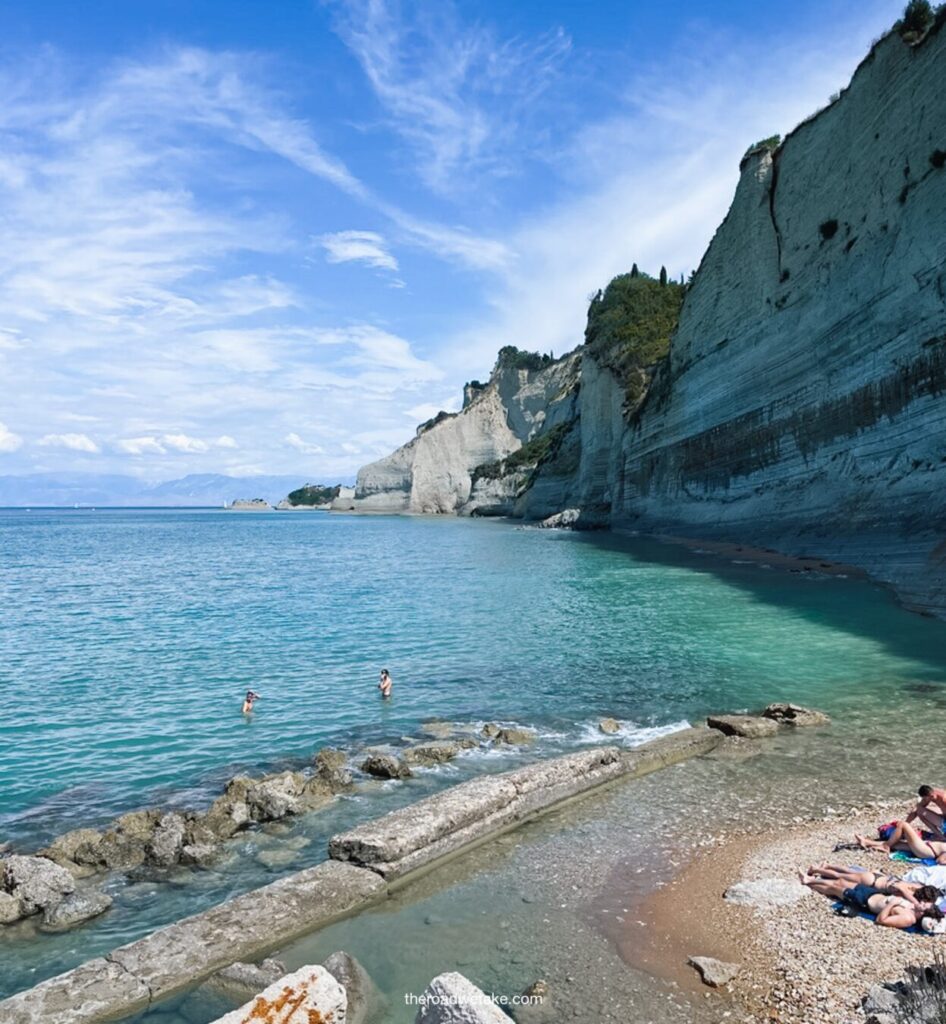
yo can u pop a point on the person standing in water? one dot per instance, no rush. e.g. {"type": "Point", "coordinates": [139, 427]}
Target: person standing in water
{"type": "Point", "coordinates": [386, 684]}
{"type": "Point", "coordinates": [251, 699]}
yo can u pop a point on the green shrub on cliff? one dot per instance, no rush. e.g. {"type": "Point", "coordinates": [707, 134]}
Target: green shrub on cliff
{"type": "Point", "coordinates": [514, 358]}
{"type": "Point", "coordinates": [629, 328]}
{"type": "Point", "coordinates": [313, 494]}
{"type": "Point", "coordinates": [532, 454]}
{"type": "Point", "coordinates": [917, 17]}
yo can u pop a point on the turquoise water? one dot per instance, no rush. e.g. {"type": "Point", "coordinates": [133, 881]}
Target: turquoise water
{"type": "Point", "coordinates": [128, 638]}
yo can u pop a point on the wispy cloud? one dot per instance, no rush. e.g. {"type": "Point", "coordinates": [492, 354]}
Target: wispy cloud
{"type": "Point", "coordinates": [457, 92]}
{"type": "Point", "coordinates": [306, 447]}
{"type": "Point", "coordinates": [366, 247]}
{"type": "Point", "coordinates": [9, 442]}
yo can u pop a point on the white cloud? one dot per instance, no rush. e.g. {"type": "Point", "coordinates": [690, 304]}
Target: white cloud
{"type": "Point", "coordinates": [73, 442]}
{"type": "Point", "coordinates": [141, 446]}
{"type": "Point", "coordinates": [308, 448]}
{"type": "Point", "coordinates": [366, 247]}
{"type": "Point", "coordinates": [426, 410]}
{"type": "Point", "coordinates": [183, 443]}
{"type": "Point", "coordinates": [225, 441]}
{"type": "Point", "coordinates": [9, 442]}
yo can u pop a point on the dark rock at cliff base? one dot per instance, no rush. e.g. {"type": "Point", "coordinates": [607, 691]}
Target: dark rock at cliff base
{"type": "Point", "coordinates": [714, 973]}
{"type": "Point", "coordinates": [795, 715]}
{"type": "Point", "coordinates": [752, 727]}
{"type": "Point", "coordinates": [567, 519]}
{"type": "Point", "coordinates": [385, 766]}
{"type": "Point", "coordinates": [366, 1004]}
{"type": "Point", "coordinates": [74, 910]}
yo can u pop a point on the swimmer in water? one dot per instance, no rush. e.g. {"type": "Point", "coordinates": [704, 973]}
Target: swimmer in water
{"type": "Point", "coordinates": [251, 699]}
{"type": "Point", "coordinates": [385, 685]}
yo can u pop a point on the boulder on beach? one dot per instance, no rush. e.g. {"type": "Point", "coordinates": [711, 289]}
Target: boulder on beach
{"type": "Point", "coordinates": [35, 882]}
{"type": "Point", "coordinates": [452, 999]}
{"type": "Point", "coordinates": [715, 973]}
{"type": "Point", "coordinates": [75, 909]}
{"type": "Point", "coordinates": [385, 766]}
{"type": "Point", "coordinates": [609, 726]}
{"type": "Point", "coordinates": [365, 1001]}
{"type": "Point", "coordinates": [795, 715]}
{"type": "Point", "coordinates": [750, 727]}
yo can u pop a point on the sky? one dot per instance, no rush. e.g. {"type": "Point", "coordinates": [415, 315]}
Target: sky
{"type": "Point", "coordinates": [272, 238]}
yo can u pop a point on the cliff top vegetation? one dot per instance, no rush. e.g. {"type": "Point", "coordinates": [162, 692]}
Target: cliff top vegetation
{"type": "Point", "coordinates": [512, 358]}
{"type": "Point", "coordinates": [312, 494]}
{"type": "Point", "coordinates": [630, 325]}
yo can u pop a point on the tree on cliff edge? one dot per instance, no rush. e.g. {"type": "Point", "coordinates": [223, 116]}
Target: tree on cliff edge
{"type": "Point", "coordinates": [663, 276]}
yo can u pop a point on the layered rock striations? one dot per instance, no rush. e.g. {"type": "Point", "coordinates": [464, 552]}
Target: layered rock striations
{"type": "Point", "coordinates": [801, 406]}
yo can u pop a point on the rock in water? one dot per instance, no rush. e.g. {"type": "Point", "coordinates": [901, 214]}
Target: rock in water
{"type": "Point", "coordinates": [491, 730]}
{"type": "Point", "coordinates": [365, 1001]}
{"type": "Point", "coordinates": [36, 882]}
{"type": "Point", "coordinates": [714, 973]}
{"type": "Point", "coordinates": [275, 797]}
{"type": "Point", "coordinates": [76, 851]}
{"type": "Point", "coordinates": [385, 766]}
{"type": "Point", "coordinates": [11, 909]}
{"type": "Point", "coordinates": [766, 892]}
{"type": "Point", "coordinates": [308, 996]}
{"type": "Point", "coordinates": [75, 909]}
{"type": "Point", "coordinates": [751, 727]}
{"type": "Point", "coordinates": [536, 1006]}
{"type": "Point", "coordinates": [452, 999]}
{"type": "Point", "coordinates": [795, 714]}
{"type": "Point", "coordinates": [433, 753]}
{"type": "Point", "coordinates": [331, 766]}
{"type": "Point", "coordinates": [515, 737]}
{"type": "Point", "coordinates": [609, 726]}
{"type": "Point", "coordinates": [240, 982]}
{"type": "Point", "coordinates": [167, 840]}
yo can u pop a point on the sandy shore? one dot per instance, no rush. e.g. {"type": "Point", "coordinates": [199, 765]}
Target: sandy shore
{"type": "Point", "coordinates": [801, 963]}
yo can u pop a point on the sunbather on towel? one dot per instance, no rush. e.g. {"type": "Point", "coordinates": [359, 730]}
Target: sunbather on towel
{"type": "Point", "coordinates": [906, 837]}
{"type": "Point", "coordinates": [917, 893]}
{"type": "Point", "coordinates": [890, 911]}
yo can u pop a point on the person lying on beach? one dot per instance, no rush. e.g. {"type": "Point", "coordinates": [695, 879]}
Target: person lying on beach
{"type": "Point", "coordinates": [889, 911]}
{"type": "Point", "coordinates": [918, 893]}
{"type": "Point", "coordinates": [931, 810]}
{"type": "Point", "coordinates": [906, 837]}
{"type": "Point", "coordinates": [386, 683]}
{"type": "Point", "coordinates": [251, 699]}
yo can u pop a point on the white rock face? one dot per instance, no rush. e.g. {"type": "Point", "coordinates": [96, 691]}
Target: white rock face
{"type": "Point", "coordinates": [433, 472]}
{"type": "Point", "coordinates": [295, 999]}
{"type": "Point", "coordinates": [452, 999]}
{"type": "Point", "coordinates": [803, 408]}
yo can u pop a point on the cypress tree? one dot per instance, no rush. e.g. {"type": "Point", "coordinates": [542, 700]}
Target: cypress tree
{"type": "Point", "coordinates": [663, 275]}
{"type": "Point", "coordinates": [634, 271]}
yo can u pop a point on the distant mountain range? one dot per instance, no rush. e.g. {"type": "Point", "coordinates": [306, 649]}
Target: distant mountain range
{"type": "Point", "coordinates": [113, 489]}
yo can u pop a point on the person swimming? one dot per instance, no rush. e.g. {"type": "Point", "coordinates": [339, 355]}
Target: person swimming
{"type": "Point", "coordinates": [251, 698]}
{"type": "Point", "coordinates": [385, 684]}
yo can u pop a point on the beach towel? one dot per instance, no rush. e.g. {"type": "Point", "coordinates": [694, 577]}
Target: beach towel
{"type": "Point", "coordinates": [908, 858]}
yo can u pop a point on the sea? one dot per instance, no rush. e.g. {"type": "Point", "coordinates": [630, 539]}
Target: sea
{"type": "Point", "coordinates": [128, 638]}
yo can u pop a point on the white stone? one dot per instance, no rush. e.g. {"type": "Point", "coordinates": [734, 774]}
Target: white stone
{"type": "Point", "coordinates": [299, 994]}
{"type": "Point", "coordinates": [452, 999]}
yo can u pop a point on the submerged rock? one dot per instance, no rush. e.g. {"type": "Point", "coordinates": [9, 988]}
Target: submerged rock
{"type": "Point", "coordinates": [365, 1001]}
{"type": "Point", "coordinates": [752, 727]}
{"type": "Point", "coordinates": [536, 1006]}
{"type": "Point", "coordinates": [438, 730]}
{"type": "Point", "coordinates": [452, 999]}
{"type": "Point", "coordinates": [240, 982]}
{"type": "Point", "coordinates": [515, 737]}
{"type": "Point", "coordinates": [795, 715]}
{"type": "Point", "coordinates": [437, 752]}
{"type": "Point", "coordinates": [386, 766]}
{"type": "Point", "coordinates": [714, 973]}
{"type": "Point", "coordinates": [37, 883]}
{"type": "Point", "coordinates": [75, 909]}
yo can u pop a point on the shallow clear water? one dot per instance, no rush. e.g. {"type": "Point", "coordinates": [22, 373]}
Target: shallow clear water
{"type": "Point", "coordinates": [128, 638]}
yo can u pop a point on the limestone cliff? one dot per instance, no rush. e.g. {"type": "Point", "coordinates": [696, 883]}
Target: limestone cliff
{"type": "Point", "coordinates": [801, 406]}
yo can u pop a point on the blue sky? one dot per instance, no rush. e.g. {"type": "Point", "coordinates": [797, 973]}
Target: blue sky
{"type": "Point", "coordinates": [271, 238]}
